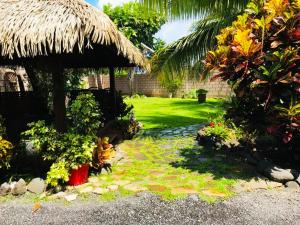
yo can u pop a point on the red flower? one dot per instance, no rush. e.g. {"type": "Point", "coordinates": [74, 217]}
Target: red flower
{"type": "Point", "coordinates": [220, 124]}
{"type": "Point", "coordinates": [212, 124]}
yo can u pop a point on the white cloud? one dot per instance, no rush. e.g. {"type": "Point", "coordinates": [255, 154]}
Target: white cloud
{"type": "Point", "coordinates": [112, 2]}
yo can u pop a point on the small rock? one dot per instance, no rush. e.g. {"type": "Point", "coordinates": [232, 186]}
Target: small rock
{"type": "Point", "coordinates": [4, 189]}
{"type": "Point", "coordinates": [113, 187]}
{"type": "Point", "coordinates": [71, 197]}
{"type": "Point", "coordinates": [292, 185]}
{"type": "Point", "coordinates": [193, 197]}
{"type": "Point", "coordinates": [100, 191]}
{"type": "Point", "coordinates": [86, 190]}
{"type": "Point", "coordinates": [121, 182]}
{"type": "Point", "coordinates": [19, 188]}
{"type": "Point", "coordinates": [58, 195]}
{"type": "Point", "coordinates": [37, 186]}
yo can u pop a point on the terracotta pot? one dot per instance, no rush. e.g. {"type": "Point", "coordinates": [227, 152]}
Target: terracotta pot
{"type": "Point", "coordinates": [79, 176]}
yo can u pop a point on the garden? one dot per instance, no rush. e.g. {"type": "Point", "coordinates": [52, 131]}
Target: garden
{"type": "Point", "coordinates": [171, 147]}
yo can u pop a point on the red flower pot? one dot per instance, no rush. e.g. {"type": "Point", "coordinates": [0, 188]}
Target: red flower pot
{"type": "Point", "coordinates": [79, 176]}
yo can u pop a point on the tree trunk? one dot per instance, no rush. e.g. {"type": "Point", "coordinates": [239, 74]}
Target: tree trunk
{"type": "Point", "coordinates": [112, 85]}
{"type": "Point", "coordinates": [59, 100]}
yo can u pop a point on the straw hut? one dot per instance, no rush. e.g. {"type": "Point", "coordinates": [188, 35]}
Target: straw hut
{"type": "Point", "coordinates": [59, 34]}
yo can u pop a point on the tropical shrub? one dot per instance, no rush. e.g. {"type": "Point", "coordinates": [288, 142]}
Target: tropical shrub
{"type": "Point", "coordinates": [5, 147]}
{"type": "Point", "coordinates": [259, 57]}
{"type": "Point", "coordinates": [220, 133]}
{"type": "Point", "coordinates": [70, 150]}
{"type": "Point", "coordinates": [191, 94]}
{"type": "Point", "coordinates": [65, 151]}
{"type": "Point", "coordinates": [84, 115]}
{"type": "Point", "coordinates": [171, 85]}
{"type": "Point", "coordinates": [5, 153]}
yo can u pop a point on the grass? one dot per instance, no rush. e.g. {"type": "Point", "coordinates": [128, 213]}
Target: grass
{"type": "Point", "coordinates": [163, 113]}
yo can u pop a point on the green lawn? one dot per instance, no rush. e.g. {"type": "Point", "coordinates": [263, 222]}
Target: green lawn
{"type": "Point", "coordinates": [166, 113]}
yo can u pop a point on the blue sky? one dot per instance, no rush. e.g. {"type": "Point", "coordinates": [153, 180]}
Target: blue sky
{"type": "Point", "coordinates": [169, 32]}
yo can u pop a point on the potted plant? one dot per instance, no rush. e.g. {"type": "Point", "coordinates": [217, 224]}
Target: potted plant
{"type": "Point", "coordinates": [201, 93]}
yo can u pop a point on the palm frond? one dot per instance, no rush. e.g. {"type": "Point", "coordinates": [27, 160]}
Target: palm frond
{"type": "Point", "coordinates": [186, 54]}
{"type": "Point", "coordinates": [179, 9]}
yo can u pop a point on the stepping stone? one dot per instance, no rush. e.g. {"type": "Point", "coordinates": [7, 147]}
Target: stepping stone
{"type": "Point", "coordinates": [170, 178]}
{"type": "Point", "coordinates": [183, 190]}
{"type": "Point", "coordinates": [59, 195]}
{"type": "Point", "coordinates": [135, 187]}
{"type": "Point", "coordinates": [86, 190]}
{"type": "Point", "coordinates": [157, 188]}
{"type": "Point", "coordinates": [100, 191]}
{"type": "Point", "coordinates": [113, 187]}
{"type": "Point", "coordinates": [214, 193]}
{"type": "Point", "coordinates": [121, 182]}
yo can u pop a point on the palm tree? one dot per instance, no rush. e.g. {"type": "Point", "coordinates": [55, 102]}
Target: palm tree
{"type": "Point", "coordinates": [187, 53]}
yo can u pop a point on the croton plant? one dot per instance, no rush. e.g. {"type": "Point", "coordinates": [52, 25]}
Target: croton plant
{"type": "Point", "coordinates": [259, 57]}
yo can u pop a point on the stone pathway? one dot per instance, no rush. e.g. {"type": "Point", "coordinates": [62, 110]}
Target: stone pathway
{"type": "Point", "coordinates": [172, 132]}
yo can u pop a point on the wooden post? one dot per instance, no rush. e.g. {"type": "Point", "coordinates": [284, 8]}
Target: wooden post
{"type": "Point", "coordinates": [59, 99]}
{"type": "Point", "coordinates": [112, 86]}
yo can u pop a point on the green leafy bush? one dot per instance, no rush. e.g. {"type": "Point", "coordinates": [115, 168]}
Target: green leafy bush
{"type": "Point", "coordinates": [72, 149]}
{"type": "Point", "coordinates": [84, 115]}
{"type": "Point", "coordinates": [259, 57]}
{"type": "Point", "coordinates": [192, 94]}
{"type": "Point", "coordinates": [223, 130]}
{"type": "Point", "coordinates": [5, 153]}
{"type": "Point", "coordinates": [5, 147]}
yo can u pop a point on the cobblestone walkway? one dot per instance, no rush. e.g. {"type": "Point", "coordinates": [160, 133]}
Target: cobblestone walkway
{"type": "Point", "coordinates": [173, 132]}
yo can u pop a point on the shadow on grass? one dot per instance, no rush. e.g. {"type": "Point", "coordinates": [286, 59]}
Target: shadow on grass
{"type": "Point", "coordinates": [164, 121]}
{"type": "Point", "coordinates": [220, 165]}
{"type": "Point", "coordinates": [210, 104]}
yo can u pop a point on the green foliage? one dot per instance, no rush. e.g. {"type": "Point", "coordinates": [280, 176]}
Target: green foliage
{"type": "Point", "coordinates": [58, 173]}
{"type": "Point", "coordinates": [70, 150]}
{"type": "Point", "coordinates": [84, 115]}
{"type": "Point", "coordinates": [5, 147]}
{"type": "Point", "coordinates": [66, 151]}
{"type": "Point", "coordinates": [78, 149]}
{"type": "Point", "coordinates": [259, 56]}
{"type": "Point", "coordinates": [45, 139]}
{"type": "Point", "coordinates": [5, 153]}
{"type": "Point", "coordinates": [171, 85]}
{"type": "Point", "coordinates": [186, 54]}
{"type": "Point", "coordinates": [224, 130]}
{"type": "Point", "coordinates": [192, 94]}
{"type": "Point", "coordinates": [136, 23]}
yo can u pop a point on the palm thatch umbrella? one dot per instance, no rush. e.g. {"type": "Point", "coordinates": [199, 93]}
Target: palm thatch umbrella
{"type": "Point", "coordinates": [62, 34]}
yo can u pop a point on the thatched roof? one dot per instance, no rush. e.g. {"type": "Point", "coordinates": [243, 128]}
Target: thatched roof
{"type": "Point", "coordinates": [35, 28]}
